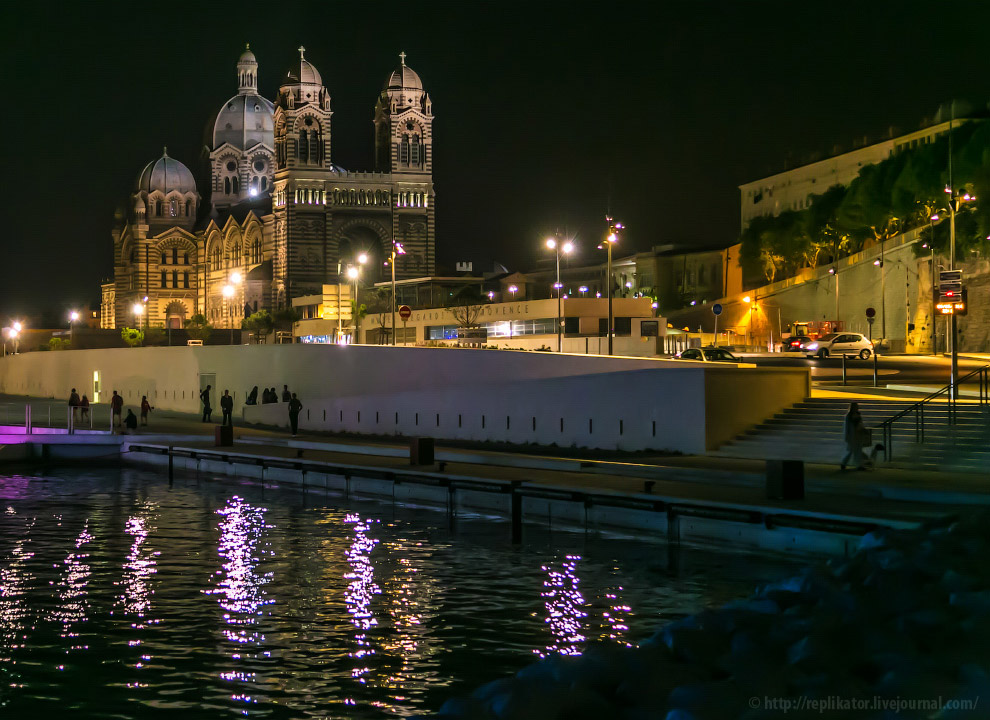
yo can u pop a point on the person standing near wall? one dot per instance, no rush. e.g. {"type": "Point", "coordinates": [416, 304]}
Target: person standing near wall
{"type": "Point", "coordinates": [116, 408]}
{"type": "Point", "coordinates": [286, 395]}
{"type": "Point", "coordinates": [227, 408]}
{"type": "Point", "coordinates": [74, 402]}
{"type": "Point", "coordinates": [145, 409]}
{"type": "Point", "coordinates": [294, 407]}
{"type": "Point", "coordinates": [207, 409]}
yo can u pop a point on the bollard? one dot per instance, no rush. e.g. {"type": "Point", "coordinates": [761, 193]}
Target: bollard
{"type": "Point", "coordinates": [874, 370]}
{"type": "Point", "coordinates": [844, 368]}
{"type": "Point", "coordinates": [171, 466]}
{"type": "Point", "coordinates": [27, 419]}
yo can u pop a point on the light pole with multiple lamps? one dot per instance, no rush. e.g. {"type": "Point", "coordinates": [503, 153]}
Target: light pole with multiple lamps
{"type": "Point", "coordinates": [610, 239]}
{"type": "Point", "coordinates": [397, 249]}
{"type": "Point", "coordinates": [558, 247]}
{"type": "Point", "coordinates": [353, 273]}
{"type": "Point", "coordinates": [229, 291]}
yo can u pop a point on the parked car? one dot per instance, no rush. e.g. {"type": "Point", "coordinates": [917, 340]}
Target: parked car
{"type": "Point", "coordinates": [844, 343]}
{"type": "Point", "coordinates": [708, 354]}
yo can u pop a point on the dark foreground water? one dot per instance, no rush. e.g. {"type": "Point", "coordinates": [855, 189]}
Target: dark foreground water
{"type": "Point", "coordinates": [121, 597]}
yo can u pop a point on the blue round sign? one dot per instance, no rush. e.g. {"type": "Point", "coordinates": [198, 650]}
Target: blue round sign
{"type": "Point", "coordinates": [717, 308]}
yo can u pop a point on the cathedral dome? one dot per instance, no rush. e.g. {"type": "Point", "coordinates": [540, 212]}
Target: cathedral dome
{"type": "Point", "coordinates": [404, 78]}
{"type": "Point", "coordinates": [165, 175]}
{"type": "Point", "coordinates": [244, 121]}
{"type": "Point", "coordinates": [247, 56]}
{"type": "Point", "coordinates": [305, 73]}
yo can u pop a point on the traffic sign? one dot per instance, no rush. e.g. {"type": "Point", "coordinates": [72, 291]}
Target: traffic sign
{"type": "Point", "coordinates": [952, 303]}
{"type": "Point", "coordinates": [405, 312]}
{"type": "Point", "coordinates": [870, 312]}
{"type": "Point", "coordinates": [717, 309]}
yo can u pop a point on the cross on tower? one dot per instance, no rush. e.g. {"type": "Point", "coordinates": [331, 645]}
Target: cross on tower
{"type": "Point", "coordinates": [302, 51]}
{"type": "Point", "coordinates": [402, 57]}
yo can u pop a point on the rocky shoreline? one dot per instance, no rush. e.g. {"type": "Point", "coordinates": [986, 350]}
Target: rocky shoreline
{"type": "Point", "coordinates": [899, 630]}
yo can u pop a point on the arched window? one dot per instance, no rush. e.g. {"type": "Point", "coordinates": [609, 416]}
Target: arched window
{"type": "Point", "coordinates": [175, 278]}
{"type": "Point", "coordinates": [163, 279]}
{"type": "Point", "coordinates": [185, 280]}
{"type": "Point", "coordinates": [415, 149]}
{"type": "Point", "coordinates": [264, 184]}
{"type": "Point", "coordinates": [185, 259]}
{"type": "Point", "coordinates": [701, 275]}
{"type": "Point", "coordinates": [314, 147]}
{"type": "Point", "coordinates": [217, 258]}
{"type": "Point", "coordinates": [236, 185]}
{"type": "Point", "coordinates": [353, 194]}
{"type": "Point", "coordinates": [173, 207]}
{"type": "Point", "coordinates": [256, 251]}
{"type": "Point", "coordinates": [235, 254]}
{"type": "Point", "coordinates": [158, 208]}
{"type": "Point", "coordinates": [175, 256]}
{"type": "Point", "coordinates": [404, 150]}
{"type": "Point", "coordinates": [163, 258]}
{"type": "Point", "coordinates": [303, 146]}
{"type": "Point", "coordinates": [226, 186]}
{"type": "Point", "coordinates": [188, 208]}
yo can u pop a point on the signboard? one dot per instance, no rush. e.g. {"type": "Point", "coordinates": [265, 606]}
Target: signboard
{"type": "Point", "coordinates": [472, 337]}
{"type": "Point", "coordinates": [950, 280]}
{"type": "Point", "coordinates": [405, 312]}
{"type": "Point", "coordinates": [951, 303]}
{"type": "Point", "coordinates": [871, 313]}
{"type": "Point", "coordinates": [717, 309]}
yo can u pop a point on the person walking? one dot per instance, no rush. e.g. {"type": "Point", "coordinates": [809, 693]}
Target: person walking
{"type": "Point", "coordinates": [116, 407]}
{"type": "Point", "coordinates": [227, 408]}
{"type": "Point", "coordinates": [286, 395]}
{"type": "Point", "coordinates": [294, 407]}
{"type": "Point", "coordinates": [207, 409]}
{"type": "Point", "coordinates": [84, 408]}
{"type": "Point", "coordinates": [857, 436]}
{"type": "Point", "coordinates": [145, 409]}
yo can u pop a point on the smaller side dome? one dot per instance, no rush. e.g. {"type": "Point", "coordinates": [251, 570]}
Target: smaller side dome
{"type": "Point", "coordinates": [247, 72]}
{"type": "Point", "coordinates": [165, 175]}
{"type": "Point", "coordinates": [404, 88]}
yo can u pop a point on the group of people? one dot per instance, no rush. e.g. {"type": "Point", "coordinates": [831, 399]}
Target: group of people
{"type": "Point", "coordinates": [268, 395]}
{"type": "Point", "coordinates": [126, 423]}
{"type": "Point", "coordinates": [79, 407]}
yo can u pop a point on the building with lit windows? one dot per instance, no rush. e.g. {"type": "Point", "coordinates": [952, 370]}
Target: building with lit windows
{"type": "Point", "coordinates": [279, 219]}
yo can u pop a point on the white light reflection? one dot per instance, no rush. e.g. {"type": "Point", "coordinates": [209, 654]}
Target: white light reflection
{"type": "Point", "coordinates": [71, 589]}
{"type": "Point", "coordinates": [564, 604]}
{"type": "Point", "coordinates": [360, 592]}
{"type": "Point", "coordinates": [14, 584]}
{"type": "Point", "coordinates": [615, 616]}
{"type": "Point", "coordinates": [241, 586]}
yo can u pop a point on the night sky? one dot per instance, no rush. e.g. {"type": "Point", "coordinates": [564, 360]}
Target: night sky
{"type": "Point", "coordinates": [543, 111]}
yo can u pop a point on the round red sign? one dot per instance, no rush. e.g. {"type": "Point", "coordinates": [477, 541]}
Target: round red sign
{"type": "Point", "coordinates": [405, 312]}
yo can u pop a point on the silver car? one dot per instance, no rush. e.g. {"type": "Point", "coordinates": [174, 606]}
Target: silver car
{"type": "Point", "coordinates": [844, 343]}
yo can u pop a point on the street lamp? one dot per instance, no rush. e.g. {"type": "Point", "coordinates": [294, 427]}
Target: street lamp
{"type": "Point", "coordinates": [353, 272]}
{"type": "Point", "coordinates": [955, 204]}
{"type": "Point", "coordinates": [73, 318]}
{"type": "Point", "coordinates": [610, 239]}
{"type": "Point", "coordinates": [566, 247]}
{"type": "Point", "coordinates": [397, 249]}
{"type": "Point", "coordinates": [583, 290]}
{"type": "Point", "coordinates": [513, 289]}
{"type": "Point", "coordinates": [228, 293]}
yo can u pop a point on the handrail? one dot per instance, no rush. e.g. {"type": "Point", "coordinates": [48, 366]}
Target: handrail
{"type": "Point", "coordinates": [918, 408]}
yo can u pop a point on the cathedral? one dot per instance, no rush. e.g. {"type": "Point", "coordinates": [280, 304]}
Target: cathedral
{"type": "Point", "coordinates": [279, 219]}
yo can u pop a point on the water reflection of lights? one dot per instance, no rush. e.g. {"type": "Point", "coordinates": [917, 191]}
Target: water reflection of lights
{"type": "Point", "coordinates": [615, 616]}
{"type": "Point", "coordinates": [140, 566]}
{"type": "Point", "coordinates": [564, 602]}
{"type": "Point", "coordinates": [241, 585]}
{"type": "Point", "coordinates": [14, 584]}
{"type": "Point", "coordinates": [71, 589]}
{"type": "Point", "coordinates": [361, 590]}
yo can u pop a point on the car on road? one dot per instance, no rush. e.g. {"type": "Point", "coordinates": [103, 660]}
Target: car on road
{"type": "Point", "coordinates": [708, 354]}
{"type": "Point", "coordinates": [844, 343]}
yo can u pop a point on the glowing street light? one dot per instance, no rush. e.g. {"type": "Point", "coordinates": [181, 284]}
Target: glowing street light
{"type": "Point", "coordinates": [583, 290]}
{"type": "Point", "coordinates": [566, 247]}
{"type": "Point", "coordinates": [513, 289]}
{"type": "Point", "coordinates": [491, 296]}
{"type": "Point", "coordinates": [611, 238]}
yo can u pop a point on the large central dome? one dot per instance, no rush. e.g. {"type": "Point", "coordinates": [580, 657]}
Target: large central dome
{"type": "Point", "coordinates": [245, 121]}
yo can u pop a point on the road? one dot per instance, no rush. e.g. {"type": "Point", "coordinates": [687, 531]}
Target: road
{"type": "Point", "coordinates": [893, 370]}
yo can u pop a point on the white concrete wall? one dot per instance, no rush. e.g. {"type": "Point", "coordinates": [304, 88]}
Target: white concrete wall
{"type": "Point", "coordinates": [519, 397]}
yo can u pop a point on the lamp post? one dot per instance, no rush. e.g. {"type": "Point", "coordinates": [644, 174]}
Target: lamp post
{"type": "Point", "coordinates": [397, 249]}
{"type": "Point", "coordinates": [228, 293]}
{"type": "Point", "coordinates": [610, 239]}
{"type": "Point", "coordinates": [748, 300]}
{"type": "Point", "coordinates": [353, 272]}
{"type": "Point", "coordinates": [73, 319]}
{"type": "Point", "coordinates": [566, 248]}
{"type": "Point", "coordinates": [931, 246]}
{"type": "Point", "coordinates": [955, 203]}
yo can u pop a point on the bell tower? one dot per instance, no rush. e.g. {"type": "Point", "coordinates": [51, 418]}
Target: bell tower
{"type": "Point", "coordinates": [404, 124]}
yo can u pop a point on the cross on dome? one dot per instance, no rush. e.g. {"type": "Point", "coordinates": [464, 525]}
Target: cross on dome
{"type": "Point", "coordinates": [302, 52]}
{"type": "Point", "coordinates": [402, 57]}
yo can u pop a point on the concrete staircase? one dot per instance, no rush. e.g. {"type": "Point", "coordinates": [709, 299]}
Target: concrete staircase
{"type": "Point", "coordinates": [812, 431]}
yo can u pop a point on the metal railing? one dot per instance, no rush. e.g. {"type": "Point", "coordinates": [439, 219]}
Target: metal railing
{"type": "Point", "coordinates": [55, 416]}
{"type": "Point", "coordinates": [951, 400]}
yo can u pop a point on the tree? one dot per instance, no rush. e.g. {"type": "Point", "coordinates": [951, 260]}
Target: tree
{"type": "Point", "coordinates": [132, 336]}
{"type": "Point", "coordinates": [260, 324]}
{"type": "Point", "coordinates": [58, 344]}
{"type": "Point", "coordinates": [380, 303]}
{"type": "Point", "coordinates": [466, 305]}
{"type": "Point", "coordinates": [198, 328]}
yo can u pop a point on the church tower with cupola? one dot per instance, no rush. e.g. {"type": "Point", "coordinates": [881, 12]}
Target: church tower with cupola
{"type": "Point", "coordinates": [242, 149]}
{"type": "Point", "coordinates": [302, 166]}
{"type": "Point", "coordinates": [404, 148]}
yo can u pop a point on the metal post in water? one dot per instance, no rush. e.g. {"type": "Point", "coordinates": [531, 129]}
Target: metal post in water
{"type": "Point", "coordinates": [516, 515]}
